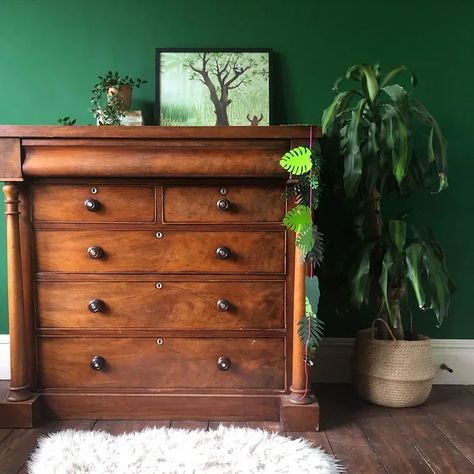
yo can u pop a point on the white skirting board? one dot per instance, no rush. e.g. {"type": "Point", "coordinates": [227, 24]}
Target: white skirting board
{"type": "Point", "coordinates": [4, 357]}
{"type": "Point", "coordinates": [333, 360]}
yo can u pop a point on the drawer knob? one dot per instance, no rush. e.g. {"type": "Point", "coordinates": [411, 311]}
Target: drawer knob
{"type": "Point", "coordinates": [223, 363]}
{"type": "Point", "coordinates": [96, 253]}
{"type": "Point", "coordinates": [223, 305]}
{"type": "Point", "coordinates": [223, 204]}
{"type": "Point", "coordinates": [97, 363]}
{"type": "Point", "coordinates": [96, 306]}
{"type": "Point", "coordinates": [223, 253]}
{"type": "Point", "coordinates": [92, 205]}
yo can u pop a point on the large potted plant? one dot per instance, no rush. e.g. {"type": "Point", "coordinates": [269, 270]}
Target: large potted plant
{"type": "Point", "coordinates": [386, 143]}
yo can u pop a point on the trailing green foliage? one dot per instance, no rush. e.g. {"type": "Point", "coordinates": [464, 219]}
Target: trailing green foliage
{"type": "Point", "coordinates": [67, 120]}
{"type": "Point", "coordinates": [108, 108]}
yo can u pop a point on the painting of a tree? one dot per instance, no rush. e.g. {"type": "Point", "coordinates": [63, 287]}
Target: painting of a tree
{"type": "Point", "coordinates": [214, 88]}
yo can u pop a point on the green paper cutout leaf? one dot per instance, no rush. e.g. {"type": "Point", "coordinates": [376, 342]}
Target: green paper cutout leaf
{"type": "Point", "coordinates": [297, 161]}
{"type": "Point", "coordinates": [305, 239]}
{"type": "Point", "coordinates": [297, 218]}
{"type": "Point", "coordinates": [312, 293]}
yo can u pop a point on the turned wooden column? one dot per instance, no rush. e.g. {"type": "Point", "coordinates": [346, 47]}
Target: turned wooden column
{"type": "Point", "coordinates": [298, 382]}
{"type": "Point", "coordinates": [19, 388]}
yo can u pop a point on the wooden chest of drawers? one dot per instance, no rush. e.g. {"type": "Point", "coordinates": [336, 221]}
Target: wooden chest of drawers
{"type": "Point", "coordinates": [150, 275]}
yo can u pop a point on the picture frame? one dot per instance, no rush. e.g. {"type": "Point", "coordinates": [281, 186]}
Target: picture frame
{"type": "Point", "coordinates": [213, 86]}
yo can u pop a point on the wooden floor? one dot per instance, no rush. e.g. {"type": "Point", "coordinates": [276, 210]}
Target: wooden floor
{"type": "Point", "coordinates": [437, 437]}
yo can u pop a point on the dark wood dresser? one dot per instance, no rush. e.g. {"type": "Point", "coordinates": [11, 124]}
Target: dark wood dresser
{"type": "Point", "coordinates": [150, 276]}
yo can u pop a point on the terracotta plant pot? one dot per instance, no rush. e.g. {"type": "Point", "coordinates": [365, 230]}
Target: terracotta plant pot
{"type": "Point", "coordinates": [392, 373]}
{"type": "Point", "coordinates": [124, 92]}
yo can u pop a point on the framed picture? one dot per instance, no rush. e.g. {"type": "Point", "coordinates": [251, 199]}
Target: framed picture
{"type": "Point", "coordinates": [210, 87]}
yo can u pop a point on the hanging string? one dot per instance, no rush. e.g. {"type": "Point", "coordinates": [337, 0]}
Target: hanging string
{"type": "Point", "coordinates": [311, 275]}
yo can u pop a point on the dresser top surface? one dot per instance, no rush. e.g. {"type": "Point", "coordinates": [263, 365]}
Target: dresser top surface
{"type": "Point", "coordinates": [157, 132]}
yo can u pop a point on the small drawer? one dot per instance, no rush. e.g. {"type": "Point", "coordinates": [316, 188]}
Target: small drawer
{"type": "Point", "coordinates": [161, 363]}
{"type": "Point", "coordinates": [99, 203]}
{"type": "Point", "coordinates": [223, 204]}
{"type": "Point", "coordinates": [97, 251]}
{"type": "Point", "coordinates": [163, 304]}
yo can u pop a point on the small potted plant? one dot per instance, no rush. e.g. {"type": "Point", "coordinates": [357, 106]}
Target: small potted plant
{"type": "Point", "coordinates": [112, 97]}
{"type": "Point", "coordinates": [384, 142]}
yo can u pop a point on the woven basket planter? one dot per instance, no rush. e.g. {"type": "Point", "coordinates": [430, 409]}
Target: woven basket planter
{"type": "Point", "coordinates": [392, 373]}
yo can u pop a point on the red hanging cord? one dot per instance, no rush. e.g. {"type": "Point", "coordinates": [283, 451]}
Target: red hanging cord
{"type": "Point", "coordinates": [311, 275]}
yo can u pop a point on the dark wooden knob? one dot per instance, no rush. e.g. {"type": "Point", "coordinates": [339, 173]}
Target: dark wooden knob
{"type": "Point", "coordinates": [97, 362]}
{"type": "Point", "coordinates": [95, 253]}
{"type": "Point", "coordinates": [223, 253]}
{"type": "Point", "coordinates": [92, 205]}
{"type": "Point", "coordinates": [96, 306]}
{"type": "Point", "coordinates": [223, 204]}
{"type": "Point", "coordinates": [223, 305]}
{"type": "Point", "coordinates": [223, 363]}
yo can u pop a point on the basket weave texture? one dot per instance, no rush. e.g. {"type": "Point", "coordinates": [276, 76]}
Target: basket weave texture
{"type": "Point", "coordinates": [392, 373]}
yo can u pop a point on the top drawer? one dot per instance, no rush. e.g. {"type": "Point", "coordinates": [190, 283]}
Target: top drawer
{"type": "Point", "coordinates": [89, 203]}
{"type": "Point", "coordinates": [223, 204]}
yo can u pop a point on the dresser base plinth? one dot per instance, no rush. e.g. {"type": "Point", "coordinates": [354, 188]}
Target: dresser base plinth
{"type": "Point", "coordinates": [161, 406]}
{"type": "Point", "coordinates": [299, 417]}
{"type": "Point", "coordinates": [24, 414]}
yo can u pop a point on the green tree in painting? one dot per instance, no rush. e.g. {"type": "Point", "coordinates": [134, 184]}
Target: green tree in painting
{"type": "Point", "coordinates": [223, 72]}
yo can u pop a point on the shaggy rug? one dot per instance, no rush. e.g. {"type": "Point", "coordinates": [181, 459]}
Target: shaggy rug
{"type": "Point", "coordinates": [167, 450]}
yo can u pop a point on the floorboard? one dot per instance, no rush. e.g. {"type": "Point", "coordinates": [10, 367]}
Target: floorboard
{"type": "Point", "coordinates": [17, 447]}
{"type": "Point", "coordinates": [434, 438]}
{"type": "Point", "coordinates": [190, 424]}
{"type": "Point", "coordinates": [432, 444]}
{"type": "Point", "coordinates": [451, 410]}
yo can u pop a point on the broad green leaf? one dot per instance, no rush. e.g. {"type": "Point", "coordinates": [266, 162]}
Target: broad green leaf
{"type": "Point", "coordinates": [398, 233]}
{"type": "Point", "coordinates": [305, 239]}
{"type": "Point", "coordinates": [400, 150]}
{"type": "Point", "coordinates": [360, 283]}
{"type": "Point", "coordinates": [436, 142]}
{"type": "Point", "coordinates": [297, 218]}
{"type": "Point", "coordinates": [413, 255]}
{"type": "Point", "coordinates": [394, 72]}
{"type": "Point", "coordinates": [372, 144]}
{"type": "Point", "coordinates": [438, 282]}
{"type": "Point", "coordinates": [366, 74]}
{"type": "Point", "coordinates": [297, 161]}
{"type": "Point", "coordinates": [384, 283]}
{"type": "Point", "coordinates": [353, 157]}
{"type": "Point", "coordinates": [399, 96]}
{"type": "Point", "coordinates": [312, 292]}
{"type": "Point", "coordinates": [338, 105]}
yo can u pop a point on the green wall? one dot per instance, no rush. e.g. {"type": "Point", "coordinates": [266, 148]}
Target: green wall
{"type": "Point", "coordinates": [52, 51]}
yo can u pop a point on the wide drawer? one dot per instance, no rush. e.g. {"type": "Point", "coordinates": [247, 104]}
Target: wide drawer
{"type": "Point", "coordinates": [93, 203]}
{"type": "Point", "coordinates": [160, 304]}
{"type": "Point", "coordinates": [223, 204]}
{"type": "Point", "coordinates": [167, 251]}
{"type": "Point", "coordinates": [167, 363]}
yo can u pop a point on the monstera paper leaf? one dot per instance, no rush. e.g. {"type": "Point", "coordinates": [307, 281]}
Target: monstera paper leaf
{"type": "Point", "coordinates": [298, 218]}
{"type": "Point", "coordinates": [305, 239]}
{"type": "Point", "coordinates": [297, 161]}
{"type": "Point", "coordinates": [310, 326]}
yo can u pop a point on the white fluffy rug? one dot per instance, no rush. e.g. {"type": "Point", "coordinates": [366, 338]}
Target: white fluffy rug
{"type": "Point", "coordinates": [177, 451]}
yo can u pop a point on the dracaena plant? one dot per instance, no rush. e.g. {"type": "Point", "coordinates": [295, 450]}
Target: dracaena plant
{"type": "Point", "coordinates": [388, 143]}
{"type": "Point", "coordinates": [303, 164]}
